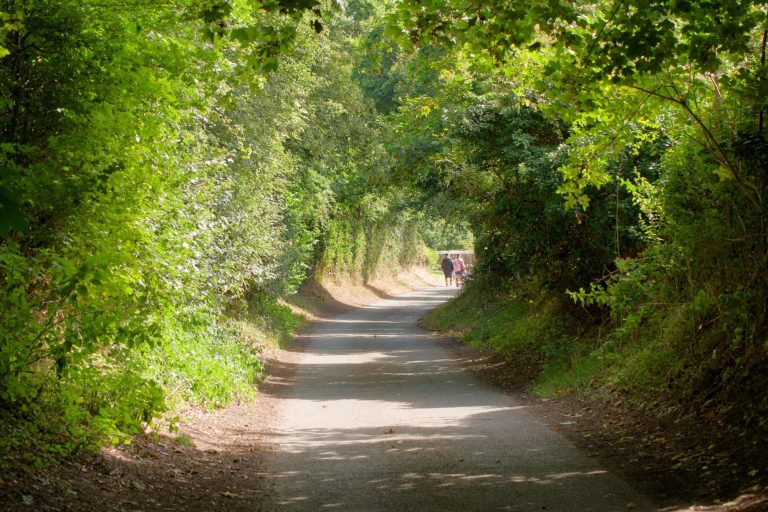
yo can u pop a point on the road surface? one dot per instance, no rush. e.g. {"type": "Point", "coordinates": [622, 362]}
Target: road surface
{"type": "Point", "coordinates": [378, 418]}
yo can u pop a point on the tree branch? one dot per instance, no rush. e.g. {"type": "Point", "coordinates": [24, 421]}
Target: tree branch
{"type": "Point", "coordinates": [762, 79]}
{"type": "Point", "coordinates": [720, 153]}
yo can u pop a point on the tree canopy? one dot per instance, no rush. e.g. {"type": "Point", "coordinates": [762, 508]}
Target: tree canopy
{"type": "Point", "coordinates": [645, 121]}
{"type": "Point", "coordinates": [170, 171]}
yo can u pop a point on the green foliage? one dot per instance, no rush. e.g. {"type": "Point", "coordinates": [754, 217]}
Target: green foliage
{"type": "Point", "coordinates": [494, 157]}
{"type": "Point", "coordinates": [160, 193]}
{"type": "Point", "coordinates": [614, 39]}
{"type": "Point", "coordinates": [655, 115]}
{"type": "Point", "coordinates": [540, 332]}
{"type": "Point", "coordinates": [208, 367]}
{"type": "Point", "coordinates": [445, 228]}
{"type": "Point", "coordinates": [706, 311]}
{"type": "Point", "coordinates": [366, 250]}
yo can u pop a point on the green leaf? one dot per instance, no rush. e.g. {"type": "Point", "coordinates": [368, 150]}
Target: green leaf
{"type": "Point", "coordinates": [12, 216]}
{"type": "Point", "coordinates": [245, 35]}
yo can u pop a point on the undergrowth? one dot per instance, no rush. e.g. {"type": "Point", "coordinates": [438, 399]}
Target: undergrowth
{"type": "Point", "coordinates": [211, 367]}
{"type": "Point", "coordinates": [541, 332]}
{"type": "Point", "coordinates": [562, 347]}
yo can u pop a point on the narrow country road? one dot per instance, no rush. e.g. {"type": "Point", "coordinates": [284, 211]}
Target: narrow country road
{"type": "Point", "coordinates": [378, 418]}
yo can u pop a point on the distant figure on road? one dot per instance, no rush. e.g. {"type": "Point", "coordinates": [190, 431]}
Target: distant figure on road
{"type": "Point", "coordinates": [458, 269]}
{"type": "Point", "coordinates": [447, 265]}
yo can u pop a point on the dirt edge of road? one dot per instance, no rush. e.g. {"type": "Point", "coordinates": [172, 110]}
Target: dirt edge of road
{"type": "Point", "coordinates": [678, 464]}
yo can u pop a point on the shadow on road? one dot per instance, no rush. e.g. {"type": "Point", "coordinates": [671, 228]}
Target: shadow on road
{"type": "Point", "coordinates": [377, 417]}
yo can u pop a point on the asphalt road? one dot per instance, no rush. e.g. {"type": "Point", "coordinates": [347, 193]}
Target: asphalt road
{"type": "Point", "coordinates": [378, 418]}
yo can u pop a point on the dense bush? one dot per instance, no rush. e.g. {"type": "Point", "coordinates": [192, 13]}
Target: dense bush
{"type": "Point", "coordinates": [163, 185]}
{"type": "Point", "coordinates": [697, 295]}
{"type": "Point", "coordinates": [615, 151]}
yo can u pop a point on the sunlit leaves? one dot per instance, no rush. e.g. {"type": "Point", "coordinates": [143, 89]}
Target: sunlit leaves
{"type": "Point", "coordinates": [669, 50]}
{"type": "Point", "coordinates": [165, 181]}
{"type": "Point", "coordinates": [268, 27]}
{"type": "Point", "coordinates": [112, 171]}
{"type": "Point", "coordinates": [9, 22]}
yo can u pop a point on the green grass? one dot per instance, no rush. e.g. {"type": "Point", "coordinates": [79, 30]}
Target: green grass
{"type": "Point", "coordinates": [571, 351]}
{"type": "Point", "coordinates": [185, 440]}
{"type": "Point", "coordinates": [566, 377]}
{"type": "Point", "coordinates": [525, 326]}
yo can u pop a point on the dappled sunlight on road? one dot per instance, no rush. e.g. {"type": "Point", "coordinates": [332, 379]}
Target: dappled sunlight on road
{"type": "Point", "coordinates": [373, 422]}
{"type": "Point", "coordinates": [363, 337]}
{"type": "Point", "coordinates": [379, 418]}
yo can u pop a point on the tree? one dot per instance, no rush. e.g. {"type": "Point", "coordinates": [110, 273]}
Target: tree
{"type": "Point", "coordinates": [664, 101]}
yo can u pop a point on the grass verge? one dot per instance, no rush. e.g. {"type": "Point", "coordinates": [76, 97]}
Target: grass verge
{"type": "Point", "coordinates": [543, 334]}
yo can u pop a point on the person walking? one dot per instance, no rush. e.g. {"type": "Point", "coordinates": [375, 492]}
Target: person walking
{"type": "Point", "coordinates": [447, 265]}
{"type": "Point", "coordinates": [458, 270]}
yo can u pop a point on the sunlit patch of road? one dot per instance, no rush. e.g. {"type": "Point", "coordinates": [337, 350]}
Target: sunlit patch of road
{"type": "Point", "coordinates": [378, 417]}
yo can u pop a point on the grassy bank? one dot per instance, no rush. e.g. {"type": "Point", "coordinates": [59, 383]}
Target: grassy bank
{"type": "Point", "coordinates": [220, 363]}
{"type": "Point", "coordinates": [224, 362]}
{"type": "Point", "coordinates": [545, 335]}
{"type": "Point", "coordinates": [560, 346]}
{"type": "Point", "coordinates": [557, 347]}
